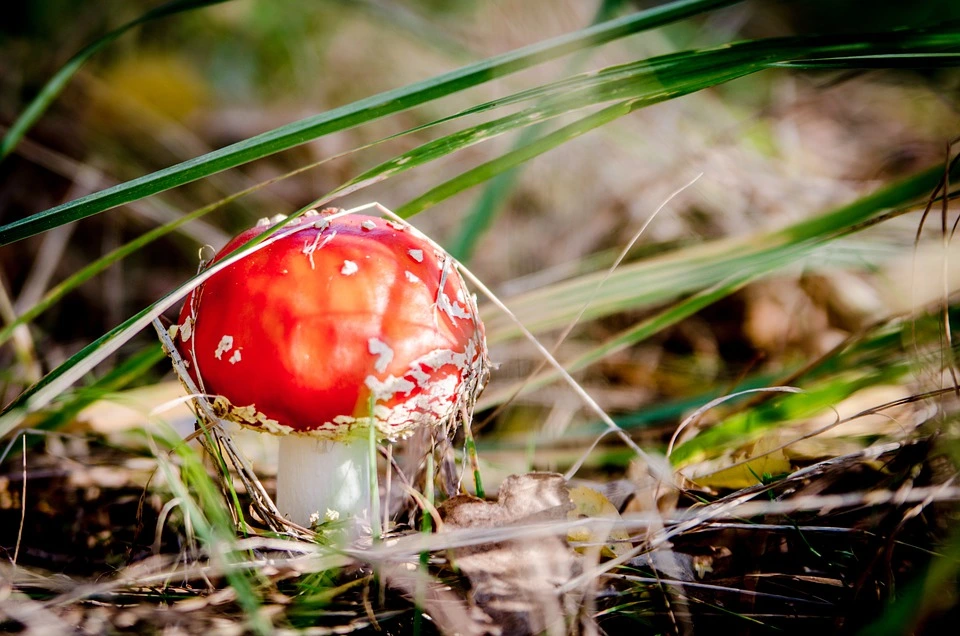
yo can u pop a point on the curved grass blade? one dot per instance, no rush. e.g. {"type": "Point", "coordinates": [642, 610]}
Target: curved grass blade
{"type": "Point", "coordinates": [748, 425]}
{"type": "Point", "coordinates": [879, 357]}
{"type": "Point", "coordinates": [642, 83]}
{"type": "Point", "coordinates": [741, 262]}
{"type": "Point", "coordinates": [351, 115]}
{"type": "Point", "coordinates": [56, 293]}
{"type": "Point", "coordinates": [688, 270]}
{"type": "Point", "coordinates": [515, 157]}
{"type": "Point", "coordinates": [200, 499]}
{"type": "Point", "coordinates": [128, 371]}
{"type": "Point", "coordinates": [642, 330]}
{"type": "Point", "coordinates": [56, 84]}
{"type": "Point", "coordinates": [60, 379]}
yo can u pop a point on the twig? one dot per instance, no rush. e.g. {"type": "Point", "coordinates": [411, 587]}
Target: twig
{"type": "Point", "coordinates": [23, 503]}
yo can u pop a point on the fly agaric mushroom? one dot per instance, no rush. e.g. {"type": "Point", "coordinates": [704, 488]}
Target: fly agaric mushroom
{"type": "Point", "coordinates": [337, 314]}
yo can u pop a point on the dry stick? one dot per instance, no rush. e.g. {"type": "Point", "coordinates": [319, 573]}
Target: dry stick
{"type": "Point", "coordinates": [720, 588]}
{"type": "Point", "coordinates": [916, 248]}
{"type": "Point", "coordinates": [35, 618]}
{"type": "Point", "coordinates": [49, 255]}
{"type": "Point", "coordinates": [720, 509]}
{"type": "Point", "coordinates": [945, 305]}
{"type": "Point", "coordinates": [23, 503]}
{"type": "Point", "coordinates": [411, 545]}
{"type": "Point", "coordinates": [311, 563]}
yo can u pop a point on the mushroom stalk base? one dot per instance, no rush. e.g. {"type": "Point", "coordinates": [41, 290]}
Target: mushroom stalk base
{"type": "Point", "coordinates": [316, 475]}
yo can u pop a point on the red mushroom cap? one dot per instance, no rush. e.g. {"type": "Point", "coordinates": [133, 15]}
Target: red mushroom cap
{"type": "Point", "coordinates": [302, 335]}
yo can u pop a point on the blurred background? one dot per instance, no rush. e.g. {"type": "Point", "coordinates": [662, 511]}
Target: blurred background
{"type": "Point", "coordinates": [858, 320]}
{"type": "Point", "coordinates": [773, 148]}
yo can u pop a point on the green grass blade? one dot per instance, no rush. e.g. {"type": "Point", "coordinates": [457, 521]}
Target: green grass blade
{"type": "Point", "coordinates": [892, 60]}
{"type": "Point", "coordinates": [644, 83]}
{"type": "Point", "coordinates": [125, 373]}
{"type": "Point", "coordinates": [748, 425]}
{"type": "Point", "coordinates": [56, 293]}
{"type": "Point", "coordinates": [58, 82]}
{"type": "Point", "coordinates": [739, 261]}
{"type": "Point", "coordinates": [688, 270]}
{"type": "Point", "coordinates": [352, 115]}
{"type": "Point", "coordinates": [74, 368]}
{"type": "Point", "coordinates": [201, 501]}
{"type": "Point", "coordinates": [515, 157]}
{"type": "Point", "coordinates": [481, 216]}
{"type": "Point", "coordinates": [484, 211]}
{"type": "Point", "coordinates": [641, 331]}
{"type": "Point", "coordinates": [722, 253]}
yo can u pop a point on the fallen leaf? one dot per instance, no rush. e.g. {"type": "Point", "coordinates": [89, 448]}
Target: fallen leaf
{"type": "Point", "coordinates": [516, 582]}
{"type": "Point", "coordinates": [590, 503]}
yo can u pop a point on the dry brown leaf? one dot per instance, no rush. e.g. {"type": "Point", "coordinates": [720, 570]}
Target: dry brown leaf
{"type": "Point", "coordinates": [516, 581]}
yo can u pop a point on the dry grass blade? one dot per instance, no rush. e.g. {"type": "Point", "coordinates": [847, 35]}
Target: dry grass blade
{"type": "Point", "coordinates": [210, 425]}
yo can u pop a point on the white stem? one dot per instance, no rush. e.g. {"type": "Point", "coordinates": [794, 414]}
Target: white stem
{"type": "Point", "coordinates": [316, 475]}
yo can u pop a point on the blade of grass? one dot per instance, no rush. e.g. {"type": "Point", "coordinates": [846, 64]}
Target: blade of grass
{"type": "Point", "coordinates": [924, 597]}
{"type": "Point", "coordinates": [684, 271]}
{"type": "Point", "coordinates": [61, 378]}
{"type": "Point", "coordinates": [96, 267]}
{"type": "Point", "coordinates": [644, 329]}
{"type": "Point", "coordinates": [748, 425]}
{"type": "Point", "coordinates": [649, 82]}
{"type": "Point", "coordinates": [56, 84]}
{"type": "Point", "coordinates": [481, 216]}
{"type": "Point", "coordinates": [515, 157]}
{"type": "Point", "coordinates": [904, 60]}
{"type": "Point", "coordinates": [351, 115]}
{"type": "Point", "coordinates": [639, 79]}
{"type": "Point", "coordinates": [423, 154]}
{"type": "Point", "coordinates": [746, 267]}
{"type": "Point", "coordinates": [124, 374]}
{"type": "Point", "coordinates": [213, 524]}
{"type": "Point", "coordinates": [706, 264]}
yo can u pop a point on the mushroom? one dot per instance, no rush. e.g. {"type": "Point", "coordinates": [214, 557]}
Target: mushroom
{"type": "Point", "coordinates": [338, 324]}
